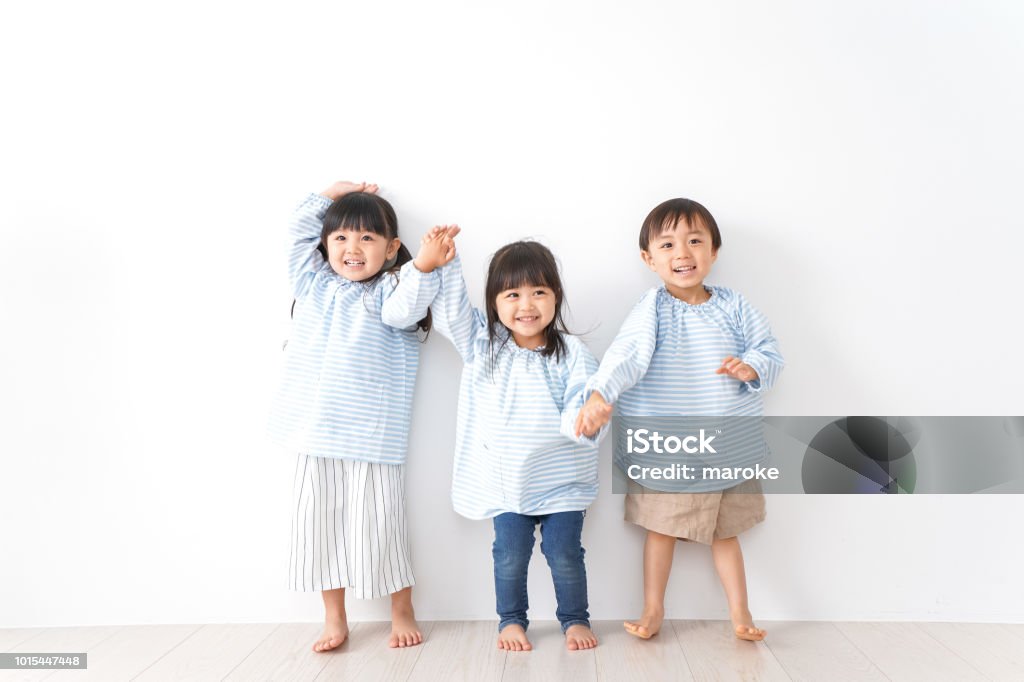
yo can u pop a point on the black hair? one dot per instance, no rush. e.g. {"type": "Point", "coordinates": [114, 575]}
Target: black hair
{"type": "Point", "coordinates": [527, 264]}
{"type": "Point", "coordinates": [668, 214]}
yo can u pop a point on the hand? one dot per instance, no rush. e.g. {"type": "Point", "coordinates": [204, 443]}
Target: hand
{"type": "Point", "coordinates": [594, 414]}
{"type": "Point", "coordinates": [737, 369]}
{"type": "Point", "coordinates": [437, 248]}
{"type": "Point", "coordinates": [342, 187]}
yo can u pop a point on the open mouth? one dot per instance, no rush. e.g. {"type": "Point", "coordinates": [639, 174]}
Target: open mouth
{"type": "Point", "coordinates": [528, 319]}
{"type": "Point", "coordinates": [355, 263]}
{"type": "Point", "coordinates": [685, 270]}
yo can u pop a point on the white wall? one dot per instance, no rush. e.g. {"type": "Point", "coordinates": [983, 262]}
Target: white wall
{"type": "Point", "coordinates": [864, 163]}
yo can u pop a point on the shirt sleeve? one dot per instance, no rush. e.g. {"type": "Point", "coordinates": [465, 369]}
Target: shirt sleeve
{"type": "Point", "coordinates": [453, 315]}
{"type": "Point", "coordinates": [627, 359]}
{"type": "Point", "coordinates": [582, 364]}
{"type": "Point", "coordinates": [304, 259]}
{"type": "Point", "coordinates": [408, 301]}
{"type": "Point", "coordinates": [761, 349]}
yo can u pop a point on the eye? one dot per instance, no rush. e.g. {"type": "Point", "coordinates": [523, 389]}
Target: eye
{"type": "Point", "coordinates": [367, 238]}
{"type": "Point", "coordinates": [695, 241]}
{"type": "Point", "coordinates": [512, 294]}
{"type": "Point", "coordinates": [666, 245]}
{"type": "Point", "coordinates": [340, 237]}
{"type": "Point", "coordinates": [540, 292]}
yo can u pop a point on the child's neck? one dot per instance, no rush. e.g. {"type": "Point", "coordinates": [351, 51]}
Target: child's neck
{"type": "Point", "coordinates": [694, 295]}
{"type": "Point", "coordinates": [528, 342]}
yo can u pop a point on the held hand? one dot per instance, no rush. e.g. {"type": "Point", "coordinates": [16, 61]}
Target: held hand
{"type": "Point", "coordinates": [343, 187]}
{"type": "Point", "coordinates": [737, 369]}
{"type": "Point", "coordinates": [594, 414]}
{"type": "Point", "coordinates": [437, 248]}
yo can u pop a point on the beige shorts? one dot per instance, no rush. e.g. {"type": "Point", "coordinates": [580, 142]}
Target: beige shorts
{"type": "Point", "coordinates": [701, 517]}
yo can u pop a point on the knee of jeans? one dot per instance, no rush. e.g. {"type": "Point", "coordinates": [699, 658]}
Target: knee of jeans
{"type": "Point", "coordinates": [510, 559]}
{"type": "Point", "coordinates": [563, 558]}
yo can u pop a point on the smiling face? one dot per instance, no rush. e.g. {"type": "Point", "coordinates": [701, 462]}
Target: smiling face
{"type": "Point", "coordinates": [526, 311]}
{"type": "Point", "coordinates": [357, 255]}
{"type": "Point", "coordinates": [682, 255]}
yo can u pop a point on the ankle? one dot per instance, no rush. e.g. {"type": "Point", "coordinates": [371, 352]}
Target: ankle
{"type": "Point", "coordinates": [740, 614]}
{"type": "Point", "coordinates": [401, 608]}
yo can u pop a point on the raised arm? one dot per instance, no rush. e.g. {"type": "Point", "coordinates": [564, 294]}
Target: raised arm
{"type": "Point", "coordinates": [454, 317]}
{"type": "Point", "coordinates": [418, 281]}
{"type": "Point", "coordinates": [304, 259]}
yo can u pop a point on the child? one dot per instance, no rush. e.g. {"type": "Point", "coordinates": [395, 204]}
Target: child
{"type": "Point", "coordinates": [517, 459]}
{"type": "Point", "coordinates": [345, 398]}
{"type": "Point", "coordinates": [665, 362]}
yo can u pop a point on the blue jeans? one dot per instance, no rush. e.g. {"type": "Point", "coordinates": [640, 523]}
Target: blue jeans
{"type": "Point", "coordinates": [560, 543]}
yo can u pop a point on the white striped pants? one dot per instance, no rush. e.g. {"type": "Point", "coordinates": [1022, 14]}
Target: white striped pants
{"type": "Point", "coordinates": [348, 527]}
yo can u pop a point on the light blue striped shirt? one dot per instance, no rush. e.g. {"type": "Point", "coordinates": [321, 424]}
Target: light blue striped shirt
{"type": "Point", "coordinates": [515, 450]}
{"type": "Point", "coordinates": [351, 361]}
{"type": "Point", "coordinates": [662, 363]}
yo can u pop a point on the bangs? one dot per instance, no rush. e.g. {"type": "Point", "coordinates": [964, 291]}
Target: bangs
{"type": "Point", "coordinates": [667, 216]}
{"type": "Point", "coordinates": [361, 212]}
{"type": "Point", "coordinates": [672, 221]}
{"type": "Point", "coordinates": [520, 270]}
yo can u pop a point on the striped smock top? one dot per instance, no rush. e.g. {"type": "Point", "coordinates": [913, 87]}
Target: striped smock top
{"type": "Point", "coordinates": [515, 450]}
{"type": "Point", "coordinates": [351, 361]}
{"type": "Point", "coordinates": [662, 363]}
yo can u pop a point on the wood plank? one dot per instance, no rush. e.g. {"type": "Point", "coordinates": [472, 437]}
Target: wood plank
{"type": "Point", "coordinates": [460, 651]}
{"type": "Point", "coordinates": [902, 651]}
{"type": "Point", "coordinates": [287, 654]}
{"type": "Point", "coordinates": [128, 652]}
{"type": "Point", "coordinates": [714, 652]}
{"type": "Point", "coordinates": [11, 638]}
{"type": "Point", "coordinates": [819, 651]}
{"type": "Point", "coordinates": [58, 640]}
{"type": "Point", "coordinates": [621, 656]}
{"type": "Point", "coordinates": [368, 656]}
{"type": "Point", "coordinates": [210, 653]}
{"type": "Point", "coordinates": [549, 659]}
{"type": "Point", "coordinates": [991, 648]}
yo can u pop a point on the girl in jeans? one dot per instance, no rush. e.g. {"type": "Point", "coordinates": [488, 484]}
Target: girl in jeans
{"type": "Point", "coordinates": [517, 460]}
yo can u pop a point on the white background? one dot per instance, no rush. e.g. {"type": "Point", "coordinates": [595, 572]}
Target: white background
{"type": "Point", "coordinates": [864, 163]}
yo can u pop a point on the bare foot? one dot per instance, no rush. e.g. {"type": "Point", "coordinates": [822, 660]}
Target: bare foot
{"type": "Point", "coordinates": [647, 626]}
{"type": "Point", "coordinates": [334, 635]}
{"type": "Point", "coordinates": [513, 638]}
{"type": "Point", "coordinates": [579, 637]}
{"type": "Point", "coordinates": [743, 626]}
{"type": "Point", "coordinates": [404, 630]}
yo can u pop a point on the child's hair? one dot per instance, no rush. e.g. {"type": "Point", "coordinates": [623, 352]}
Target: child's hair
{"type": "Point", "coordinates": [367, 213]}
{"type": "Point", "coordinates": [668, 214]}
{"type": "Point", "coordinates": [527, 264]}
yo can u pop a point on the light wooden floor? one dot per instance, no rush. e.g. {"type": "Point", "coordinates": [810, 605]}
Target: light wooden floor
{"type": "Point", "coordinates": [684, 650]}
